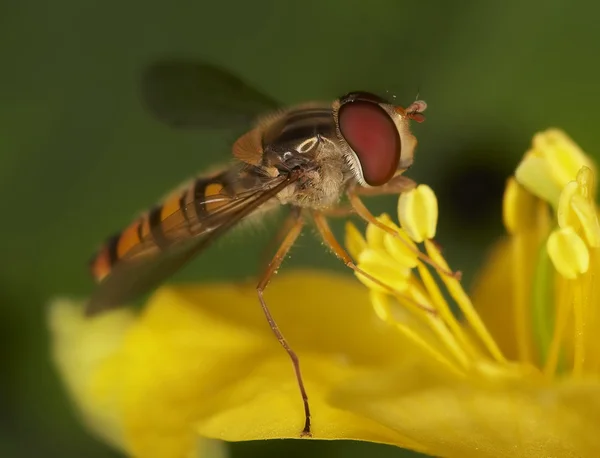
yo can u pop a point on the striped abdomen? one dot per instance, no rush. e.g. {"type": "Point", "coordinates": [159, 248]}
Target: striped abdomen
{"type": "Point", "coordinates": [188, 212]}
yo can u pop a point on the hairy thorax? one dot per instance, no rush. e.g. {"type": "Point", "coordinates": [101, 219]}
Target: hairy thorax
{"type": "Point", "coordinates": [321, 187]}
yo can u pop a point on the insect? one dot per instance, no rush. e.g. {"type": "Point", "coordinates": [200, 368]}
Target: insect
{"type": "Point", "coordinates": [306, 158]}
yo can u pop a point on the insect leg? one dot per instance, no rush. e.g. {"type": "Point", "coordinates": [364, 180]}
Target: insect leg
{"type": "Point", "coordinates": [365, 214]}
{"type": "Point", "coordinates": [294, 223]}
{"type": "Point", "coordinates": [396, 185]}
{"type": "Point", "coordinates": [339, 211]}
{"type": "Point", "coordinates": [277, 239]}
{"type": "Point", "coordinates": [329, 238]}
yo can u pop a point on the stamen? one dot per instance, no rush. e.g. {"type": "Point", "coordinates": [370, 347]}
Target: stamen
{"type": "Point", "coordinates": [446, 314]}
{"type": "Point", "coordinates": [584, 206]}
{"type": "Point", "coordinates": [381, 303]}
{"type": "Point", "coordinates": [398, 250]}
{"type": "Point", "coordinates": [593, 317]}
{"type": "Point", "coordinates": [534, 174]}
{"type": "Point", "coordinates": [439, 326]}
{"type": "Point", "coordinates": [354, 241]}
{"type": "Point", "coordinates": [464, 302]}
{"type": "Point", "coordinates": [521, 217]}
{"type": "Point", "coordinates": [564, 213]}
{"type": "Point", "coordinates": [543, 304]}
{"type": "Point", "coordinates": [374, 235]}
{"type": "Point", "coordinates": [568, 252]}
{"type": "Point", "coordinates": [381, 306]}
{"type": "Point", "coordinates": [552, 162]}
{"type": "Point", "coordinates": [579, 328]}
{"type": "Point", "coordinates": [373, 282]}
{"type": "Point", "coordinates": [390, 262]}
{"type": "Point", "coordinates": [587, 183]}
{"type": "Point", "coordinates": [418, 213]}
{"type": "Point", "coordinates": [377, 264]}
{"type": "Point", "coordinates": [518, 208]}
{"type": "Point", "coordinates": [520, 244]}
{"type": "Point", "coordinates": [364, 213]}
{"type": "Point", "coordinates": [588, 219]}
{"type": "Point", "coordinates": [577, 209]}
{"type": "Point", "coordinates": [564, 157]}
{"type": "Point", "coordinates": [563, 312]}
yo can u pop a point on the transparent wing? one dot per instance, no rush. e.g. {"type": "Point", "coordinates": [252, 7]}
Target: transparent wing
{"type": "Point", "coordinates": [177, 231]}
{"type": "Point", "coordinates": [133, 277]}
{"type": "Point", "coordinates": [195, 94]}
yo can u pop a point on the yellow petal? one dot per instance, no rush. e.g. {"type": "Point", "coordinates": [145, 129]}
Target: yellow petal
{"type": "Point", "coordinates": [481, 416]}
{"type": "Point", "coordinates": [493, 297]}
{"type": "Point", "coordinates": [203, 360]}
{"type": "Point", "coordinates": [88, 355]}
{"type": "Point", "coordinates": [80, 348]}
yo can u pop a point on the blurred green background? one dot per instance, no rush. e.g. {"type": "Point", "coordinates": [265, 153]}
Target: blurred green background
{"type": "Point", "coordinates": [79, 156]}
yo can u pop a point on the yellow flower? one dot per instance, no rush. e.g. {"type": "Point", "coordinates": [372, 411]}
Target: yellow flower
{"type": "Point", "coordinates": [511, 370]}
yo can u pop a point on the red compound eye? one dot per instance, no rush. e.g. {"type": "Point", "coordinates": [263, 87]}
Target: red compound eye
{"type": "Point", "coordinates": [372, 134]}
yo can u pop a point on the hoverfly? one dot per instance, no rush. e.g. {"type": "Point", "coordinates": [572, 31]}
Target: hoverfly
{"type": "Point", "coordinates": [306, 157]}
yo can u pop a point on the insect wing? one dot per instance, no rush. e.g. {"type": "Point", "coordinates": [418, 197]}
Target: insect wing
{"type": "Point", "coordinates": [190, 94]}
{"type": "Point", "coordinates": [151, 265]}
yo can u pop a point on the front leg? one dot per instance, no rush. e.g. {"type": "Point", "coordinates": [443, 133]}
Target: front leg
{"type": "Point", "coordinates": [362, 211]}
{"type": "Point", "coordinates": [396, 185]}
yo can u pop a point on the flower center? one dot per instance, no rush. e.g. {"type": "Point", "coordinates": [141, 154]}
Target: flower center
{"type": "Point", "coordinates": [416, 273]}
{"type": "Point", "coordinates": [553, 238]}
{"type": "Point", "coordinates": [564, 296]}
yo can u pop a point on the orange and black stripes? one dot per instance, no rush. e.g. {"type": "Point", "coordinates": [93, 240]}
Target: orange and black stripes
{"type": "Point", "coordinates": [101, 264]}
{"type": "Point", "coordinates": [184, 208]}
{"type": "Point", "coordinates": [156, 229]}
{"type": "Point", "coordinates": [129, 238]}
{"type": "Point", "coordinates": [179, 216]}
{"type": "Point", "coordinates": [198, 198]}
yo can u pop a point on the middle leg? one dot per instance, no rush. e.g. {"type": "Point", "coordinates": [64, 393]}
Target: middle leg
{"type": "Point", "coordinates": [294, 225]}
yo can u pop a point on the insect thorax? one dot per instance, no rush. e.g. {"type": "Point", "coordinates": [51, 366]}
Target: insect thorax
{"type": "Point", "coordinates": [306, 138]}
{"type": "Point", "coordinates": [324, 181]}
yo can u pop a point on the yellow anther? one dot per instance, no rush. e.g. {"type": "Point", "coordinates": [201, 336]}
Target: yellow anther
{"type": "Point", "coordinates": [564, 213]}
{"type": "Point", "coordinates": [576, 208]}
{"type": "Point", "coordinates": [568, 252]}
{"type": "Point", "coordinates": [588, 218]}
{"type": "Point", "coordinates": [381, 305]}
{"type": "Point", "coordinates": [519, 208]}
{"type": "Point", "coordinates": [400, 251]}
{"type": "Point", "coordinates": [418, 213]}
{"type": "Point", "coordinates": [586, 181]}
{"type": "Point", "coordinates": [533, 172]}
{"type": "Point", "coordinates": [565, 158]}
{"type": "Point", "coordinates": [355, 242]}
{"type": "Point", "coordinates": [381, 266]}
{"type": "Point", "coordinates": [374, 234]}
{"type": "Point", "coordinates": [553, 161]}
{"type": "Point", "coordinates": [585, 208]}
